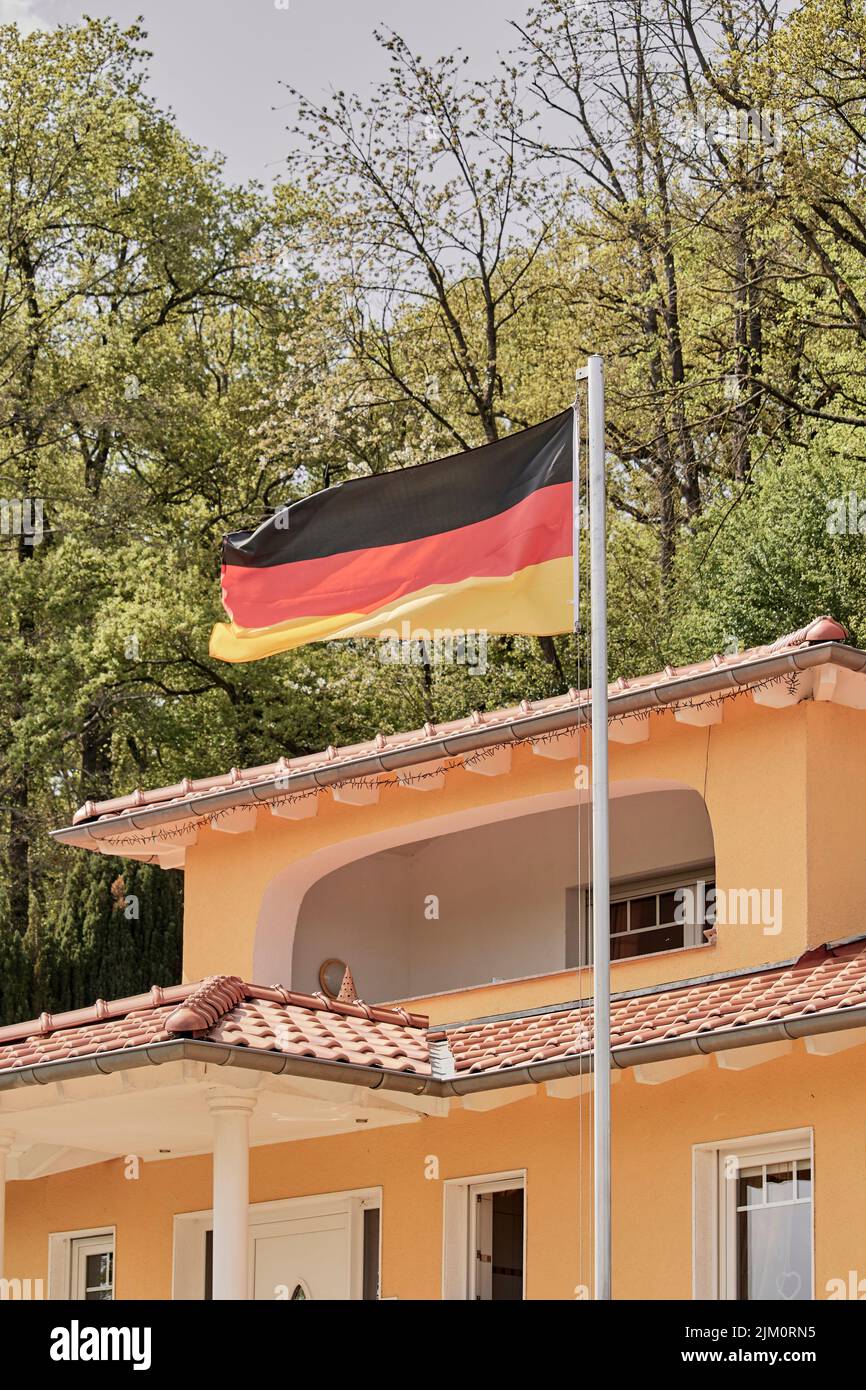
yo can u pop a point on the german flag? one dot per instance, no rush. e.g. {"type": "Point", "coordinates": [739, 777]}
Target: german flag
{"type": "Point", "coordinates": [480, 541]}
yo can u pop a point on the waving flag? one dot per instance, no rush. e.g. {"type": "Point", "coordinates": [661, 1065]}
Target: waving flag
{"type": "Point", "coordinates": [479, 541]}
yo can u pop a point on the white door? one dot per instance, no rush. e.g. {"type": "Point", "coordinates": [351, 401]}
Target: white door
{"type": "Point", "coordinates": [307, 1257]}
{"type": "Point", "coordinates": [92, 1268]}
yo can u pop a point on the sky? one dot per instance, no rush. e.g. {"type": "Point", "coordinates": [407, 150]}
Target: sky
{"type": "Point", "coordinates": [219, 63]}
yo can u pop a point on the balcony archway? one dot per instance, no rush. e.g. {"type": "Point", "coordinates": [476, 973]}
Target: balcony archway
{"type": "Point", "coordinates": [453, 902]}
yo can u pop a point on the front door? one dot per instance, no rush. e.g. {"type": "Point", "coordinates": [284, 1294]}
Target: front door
{"type": "Point", "coordinates": [305, 1257]}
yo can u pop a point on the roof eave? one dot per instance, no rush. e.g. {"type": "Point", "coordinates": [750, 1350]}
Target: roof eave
{"type": "Point", "coordinates": [414, 1083]}
{"type": "Point", "coordinates": [89, 834]}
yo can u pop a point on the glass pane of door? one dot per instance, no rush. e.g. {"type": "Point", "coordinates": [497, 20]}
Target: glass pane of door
{"type": "Point", "coordinates": [98, 1276]}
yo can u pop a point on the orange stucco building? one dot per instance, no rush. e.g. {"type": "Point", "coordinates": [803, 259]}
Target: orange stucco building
{"type": "Point", "coordinates": [259, 1132]}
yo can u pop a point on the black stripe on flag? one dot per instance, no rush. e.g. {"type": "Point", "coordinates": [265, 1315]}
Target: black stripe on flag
{"type": "Point", "coordinates": [411, 503]}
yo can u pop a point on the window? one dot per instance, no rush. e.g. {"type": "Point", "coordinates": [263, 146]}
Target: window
{"type": "Point", "coordinates": [92, 1272]}
{"type": "Point", "coordinates": [758, 1245]}
{"type": "Point", "coordinates": [768, 1220]}
{"type": "Point", "coordinates": [485, 1239]}
{"type": "Point", "coordinates": [370, 1255]}
{"type": "Point", "coordinates": [665, 913]}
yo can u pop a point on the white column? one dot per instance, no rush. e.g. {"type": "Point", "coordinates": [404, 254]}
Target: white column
{"type": "Point", "coordinates": [231, 1112]}
{"type": "Point", "coordinates": [5, 1146]}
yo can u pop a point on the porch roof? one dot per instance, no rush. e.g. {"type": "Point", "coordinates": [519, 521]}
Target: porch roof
{"type": "Point", "coordinates": [227, 1022]}
{"type": "Point", "coordinates": [223, 1009]}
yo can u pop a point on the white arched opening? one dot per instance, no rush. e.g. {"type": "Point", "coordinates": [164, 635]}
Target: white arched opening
{"type": "Point", "coordinates": [461, 900]}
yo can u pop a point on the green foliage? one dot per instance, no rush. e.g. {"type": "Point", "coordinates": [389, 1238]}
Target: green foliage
{"type": "Point", "coordinates": [118, 930]}
{"type": "Point", "coordinates": [773, 557]}
{"type": "Point", "coordinates": [177, 354]}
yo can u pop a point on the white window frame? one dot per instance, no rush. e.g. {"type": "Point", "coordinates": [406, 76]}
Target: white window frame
{"type": "Point", "coordinates": [63, 1251]}
{"type": "Point", "coordinates": [714, 1247]}
{"type": "Point", "coordinates": [458, 1229]}
{"type": "Point", "coordinates": [188, 1264]}
{"type": "Point", "coordinates": [625, 890]}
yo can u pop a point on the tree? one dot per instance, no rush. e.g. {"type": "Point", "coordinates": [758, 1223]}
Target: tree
{"type": "Point", "coordinates": [600, 73]}
{"type": "Point", "coordinates": [679, 186]}
{"type": "Point", "coordinates": [118, 932]}
{"type": "Point", "coordinates": [132, 276]}
{"type": "Point", "coordinates": [423, 201]}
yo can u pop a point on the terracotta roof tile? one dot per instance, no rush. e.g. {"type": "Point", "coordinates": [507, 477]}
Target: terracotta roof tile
{"type": "Point", "coordinates": [222, 1009]}
{"type": "Point", "coordinates": [823, 981]}
{"type": "Point", "coordinates": [225, 1010]}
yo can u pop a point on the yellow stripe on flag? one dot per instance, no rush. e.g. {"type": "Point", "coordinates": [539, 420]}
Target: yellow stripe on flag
{"type": "Point", "coordinates": [536, 602]}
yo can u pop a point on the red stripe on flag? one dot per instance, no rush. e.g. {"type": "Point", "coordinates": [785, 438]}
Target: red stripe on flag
{"type": "Point", "coordinates": [360, 581]}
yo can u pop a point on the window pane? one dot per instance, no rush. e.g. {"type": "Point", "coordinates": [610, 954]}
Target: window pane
{"type": "Point", "coordinates": [669, 904]}
{"type": "Point", "coordinates": [371, 1253]}
{"type": "Point", "coordinates": [208, 1265]}
{"type": "Point", "coordinates": [774, 1253]}
{"type": "Point", "coordinates": [780, 1182]}
{"type": "Point", "coordinates": [804, 1180]}
{"type": "Point", "coordinates": [643, 913]}
{"type": "Point", "coordinates": [618, 917]}
{"type": "Point", "coordinates": [622, 947]}
{"type": "Point", "coordinates": [97, 1270]}
{"type": "Point", "coordinates": [750, 1187]}
{"type": "Point", "coordinates": [508, 1246]}
{"type": "Point", "coordinates": [662, 939]}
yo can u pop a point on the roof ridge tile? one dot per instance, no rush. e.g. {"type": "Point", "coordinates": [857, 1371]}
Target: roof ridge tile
{"type": "Point", "coordinates": [205, 1006]}
{"type": "Point", "coordinates": [100, 1010]}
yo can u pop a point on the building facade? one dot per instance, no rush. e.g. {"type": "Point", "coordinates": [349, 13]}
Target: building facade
{"type": "Point", "coordinates": [376, 1080]}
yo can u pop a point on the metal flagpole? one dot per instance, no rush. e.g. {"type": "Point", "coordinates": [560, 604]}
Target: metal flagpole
{"type": "Point", "coordinates": [594, 375]}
